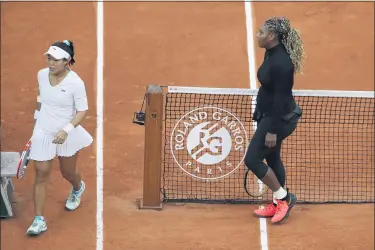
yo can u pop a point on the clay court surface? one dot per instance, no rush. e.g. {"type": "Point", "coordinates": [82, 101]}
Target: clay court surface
{"type": "Point", "coordinates": [189, 44]}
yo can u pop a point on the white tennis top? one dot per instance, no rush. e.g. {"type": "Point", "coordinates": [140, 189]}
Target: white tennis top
{"type": "Point", "coordinates": [60, 103]}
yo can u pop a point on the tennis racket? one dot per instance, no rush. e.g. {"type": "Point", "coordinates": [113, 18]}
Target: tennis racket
{"type": "Point", "coordinates": [24, 160]}
{"type": "Point", "coordinates": [252, 186]}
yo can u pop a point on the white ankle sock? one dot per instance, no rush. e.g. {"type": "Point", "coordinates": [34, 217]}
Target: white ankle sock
{"type": "Point", "coordinates": [280, 194]}
{"type": "Point", "coordinates": [274, 199]}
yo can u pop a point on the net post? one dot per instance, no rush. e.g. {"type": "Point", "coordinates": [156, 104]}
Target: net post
{"type": "Point", "coordinates": [153, 149]}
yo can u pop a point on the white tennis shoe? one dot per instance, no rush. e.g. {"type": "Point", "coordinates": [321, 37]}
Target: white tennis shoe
{"type": "Point", "coordinates": [74, 199]}
{"type": "Point", "coordinates": [38, 226]}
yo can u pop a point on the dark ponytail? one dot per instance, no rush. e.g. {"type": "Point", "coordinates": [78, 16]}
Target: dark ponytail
{"type": "Point", "coordinates": [68, 46]}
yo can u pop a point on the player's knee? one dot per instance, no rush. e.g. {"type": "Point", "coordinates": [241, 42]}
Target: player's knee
{"type": "Point", "coordinates": [251, 157]}
{"type": "Point", "coordinates": [255, 165]}
{"type": "Point", "coordinates": [251, 162]}
{"type": "Point", "coordinates": [42, 171]}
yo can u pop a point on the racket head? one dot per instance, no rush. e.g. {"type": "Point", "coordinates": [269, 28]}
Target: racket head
{"type": "Point", "coordinates": [24, 160]}
{"type": "Point", "coordinates": [253, 186]}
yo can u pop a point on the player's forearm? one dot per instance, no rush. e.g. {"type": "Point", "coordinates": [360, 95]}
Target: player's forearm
{"type": "Point", "coordinates": [78, 118]}
{"type": "Point", "coordinates": [37, 109]}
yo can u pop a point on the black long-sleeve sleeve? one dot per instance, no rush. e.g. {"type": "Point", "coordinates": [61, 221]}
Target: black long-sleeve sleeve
{"type": "Point", "coordinates": [276, 76]}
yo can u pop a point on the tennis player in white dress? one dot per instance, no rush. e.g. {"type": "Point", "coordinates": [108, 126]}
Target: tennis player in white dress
{"type": "Point", "coordinates": [62, 106]}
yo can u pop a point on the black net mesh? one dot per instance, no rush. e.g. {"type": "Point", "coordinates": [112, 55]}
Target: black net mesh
{"type": "Point", "coordinates": [328, 159]}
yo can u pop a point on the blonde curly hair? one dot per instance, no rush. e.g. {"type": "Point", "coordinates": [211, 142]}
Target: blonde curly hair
{"type": "Point", "coordinates": [291, 39]}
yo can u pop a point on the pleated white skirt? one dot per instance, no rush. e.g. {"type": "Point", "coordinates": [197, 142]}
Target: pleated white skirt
{"type": "Point", "coordinates": [42, 148]}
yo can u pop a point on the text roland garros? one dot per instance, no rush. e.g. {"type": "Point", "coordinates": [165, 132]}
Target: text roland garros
{"type": "Point", "coordinates": [208, 143]}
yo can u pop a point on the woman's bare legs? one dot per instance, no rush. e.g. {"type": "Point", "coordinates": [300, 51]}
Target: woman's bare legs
{"type": "Point", "coordinates": [42, 173]}
{"type": "Point", "coordinates": [68, 169]}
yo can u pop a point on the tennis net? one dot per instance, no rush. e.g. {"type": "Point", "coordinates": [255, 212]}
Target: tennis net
{"type": "Point", "coordinates": [328, 159]}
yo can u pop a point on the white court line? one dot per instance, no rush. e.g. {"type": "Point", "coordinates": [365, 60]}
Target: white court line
{"type": "Point", "coordinates": [253, 85]}
{"type": "Point", "coordinates": [99, 128]}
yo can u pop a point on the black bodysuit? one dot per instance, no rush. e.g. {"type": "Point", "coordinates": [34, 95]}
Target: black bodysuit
{"type": "Point", "coordinates": [276, 76]}
{"type": "Point", "coordinates": [274, 100]}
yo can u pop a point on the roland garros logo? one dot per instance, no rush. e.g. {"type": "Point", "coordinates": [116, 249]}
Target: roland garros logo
{"type": "Point", "coordinates": [208, 143]}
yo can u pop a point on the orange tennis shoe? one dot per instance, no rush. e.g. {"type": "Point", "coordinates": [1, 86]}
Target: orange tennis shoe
{"type": "Point", "coordinates": [267, 211]}
{"type": "Point", "coordinates": [283, 208]}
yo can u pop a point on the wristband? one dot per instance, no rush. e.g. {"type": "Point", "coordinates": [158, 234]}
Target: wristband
{"type": "Point", "coordinates": [69, 127]}
{"type": "Point", "coordinates": [36, 114]}
{"type": "Point", "coordinates": [38, 98]}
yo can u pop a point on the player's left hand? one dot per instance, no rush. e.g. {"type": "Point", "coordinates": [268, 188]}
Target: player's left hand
{"type": "Point", "coordinates": [270, 140]}
{"type": "Point", "coordinates": [60, 137]}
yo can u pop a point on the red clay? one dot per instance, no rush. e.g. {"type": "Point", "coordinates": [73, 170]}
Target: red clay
{"type": "Point", "coordinates": [21, 58]}
{"type": "Point", "coordinates": [192, 44]}
{"type": "Point", "coordinates": [338, 38]}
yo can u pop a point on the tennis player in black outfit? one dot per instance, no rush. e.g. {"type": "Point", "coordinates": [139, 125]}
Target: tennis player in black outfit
{"type": "Point", "coordinates": [276, 112]}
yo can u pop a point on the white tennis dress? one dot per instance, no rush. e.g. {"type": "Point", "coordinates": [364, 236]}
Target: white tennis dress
{"type": "Point", "coordinates": [58, 107]}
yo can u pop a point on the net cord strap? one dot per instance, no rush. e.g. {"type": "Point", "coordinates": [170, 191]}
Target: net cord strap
{"type": "Point", "coordinates": [243, 91]}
